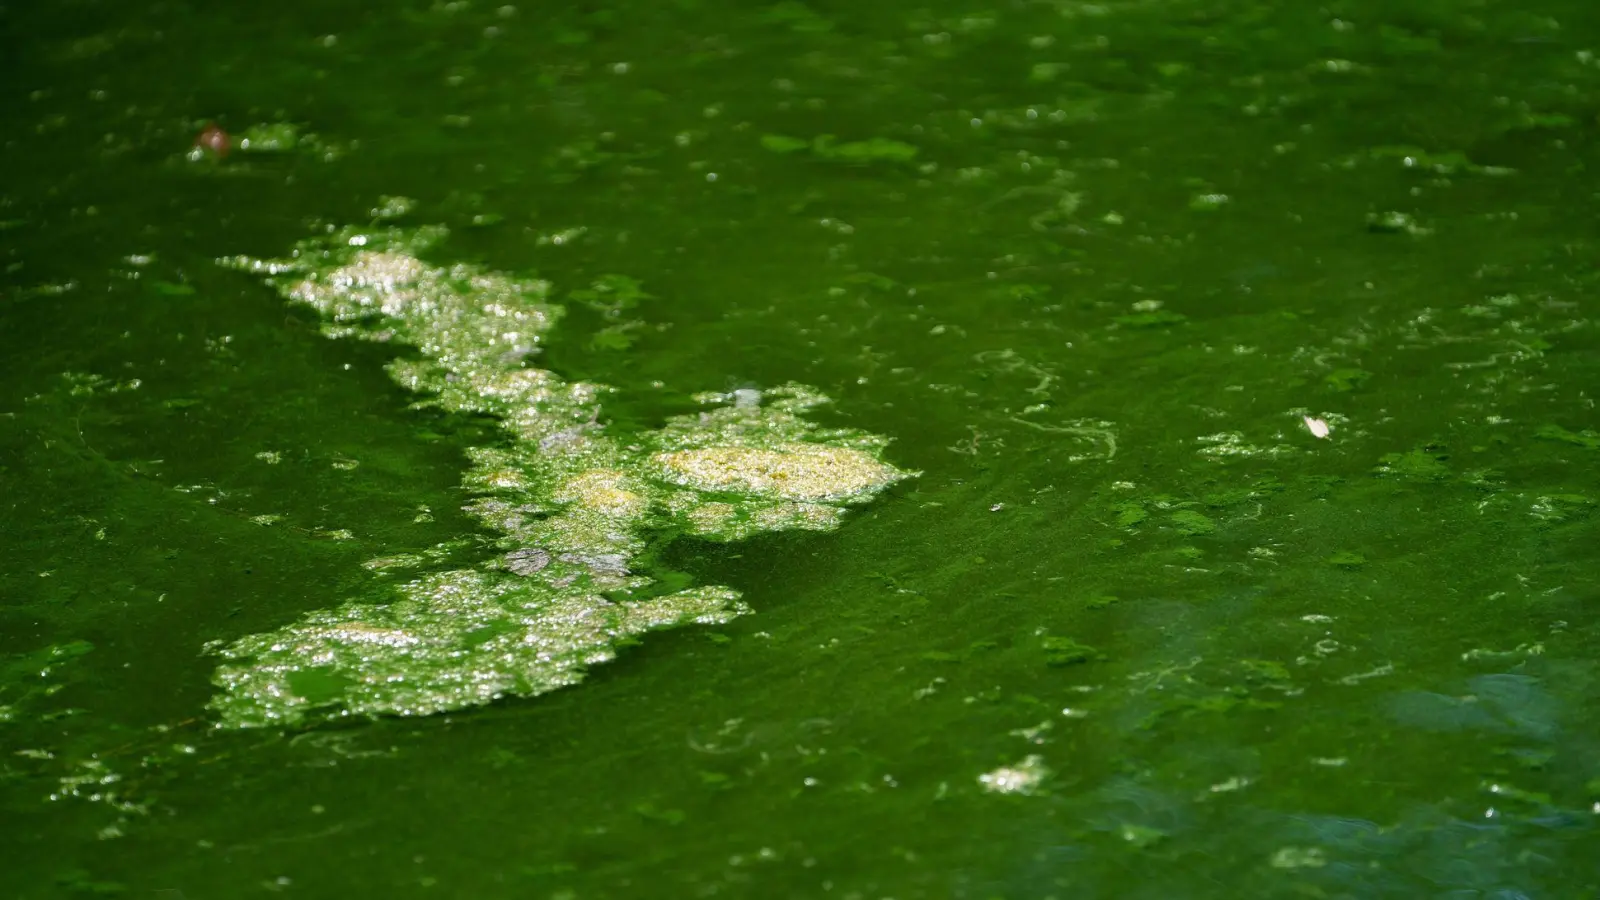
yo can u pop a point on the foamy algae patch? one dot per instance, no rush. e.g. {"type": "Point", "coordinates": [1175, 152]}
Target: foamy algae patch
{"type": "Point", "coordinates": [570, 502]}
{"type": "Point", "coordinates": [792, 471]}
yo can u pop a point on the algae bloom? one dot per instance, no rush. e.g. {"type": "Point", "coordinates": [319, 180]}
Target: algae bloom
{"type": "Point", "coordinates": [571, 503]}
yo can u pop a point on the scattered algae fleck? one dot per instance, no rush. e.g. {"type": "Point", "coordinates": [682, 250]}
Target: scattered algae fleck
{"type": "Point", "coordinates": [1018, 778]}
{"type": "Point", "coordinates": [1190, 522]}
{"type": "Point", "coordinates": [572, 503]}
{"type": "Point", "coordinates": [1421, 465]}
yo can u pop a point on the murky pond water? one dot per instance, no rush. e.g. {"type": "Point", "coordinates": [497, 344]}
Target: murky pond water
{"type": "Point", "coordinates": [1049, 449]}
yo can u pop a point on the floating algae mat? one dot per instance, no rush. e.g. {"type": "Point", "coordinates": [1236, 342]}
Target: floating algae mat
{"type": "Point", "coordinates": [571, 502]}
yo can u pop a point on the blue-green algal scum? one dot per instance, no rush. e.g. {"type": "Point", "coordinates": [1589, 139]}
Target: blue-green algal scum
{"type": "Point", "coordinates": [571, 502]}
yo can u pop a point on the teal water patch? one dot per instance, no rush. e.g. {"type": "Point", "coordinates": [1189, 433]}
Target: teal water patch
{"type": "Point", "coordinates": [1503, 703]}
{"type": "Point", "coordinates": [572, 504]}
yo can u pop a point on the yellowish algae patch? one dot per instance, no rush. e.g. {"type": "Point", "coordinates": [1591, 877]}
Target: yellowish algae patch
{"type": "Point", "coordinates": [787, 471]}
{"type": "Point", "coordinates": [570, 503]}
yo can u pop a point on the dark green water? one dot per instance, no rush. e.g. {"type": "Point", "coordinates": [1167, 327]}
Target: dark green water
{"type": "Point", "coordinates": [1136, 245]}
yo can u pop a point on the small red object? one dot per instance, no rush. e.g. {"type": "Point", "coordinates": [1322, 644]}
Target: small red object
{"type": "Point", "coordinates": [214, 140]}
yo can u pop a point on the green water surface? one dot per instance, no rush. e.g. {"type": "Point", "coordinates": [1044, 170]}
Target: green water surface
{"type": "Point", "coordinates": [1102, 272]}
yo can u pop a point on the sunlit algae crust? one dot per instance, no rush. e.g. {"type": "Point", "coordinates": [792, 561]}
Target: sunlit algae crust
{"type": "Point", "coordinates": [571, 501]}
